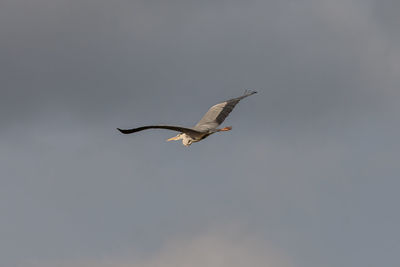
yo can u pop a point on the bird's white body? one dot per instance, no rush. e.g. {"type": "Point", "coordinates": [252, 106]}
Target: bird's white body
{"type": "Point", "coordinates": [187, 140]}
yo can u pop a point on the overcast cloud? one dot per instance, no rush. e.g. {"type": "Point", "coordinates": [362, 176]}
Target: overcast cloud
{"type": "Point", "coordinates": [308, 176]}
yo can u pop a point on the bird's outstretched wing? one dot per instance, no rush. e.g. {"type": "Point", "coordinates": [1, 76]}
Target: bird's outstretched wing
{"type": "Point", "coordinates": [188, 131]}
{"type": "Point", "coordinates": [218, 113]}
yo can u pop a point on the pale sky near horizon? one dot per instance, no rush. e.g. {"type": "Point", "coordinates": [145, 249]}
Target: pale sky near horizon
{"type": "Point", "coordinates": [308, 177]}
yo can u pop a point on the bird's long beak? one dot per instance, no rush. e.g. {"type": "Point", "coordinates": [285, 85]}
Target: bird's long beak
{"type": "Point", "coordinates": [225, 129]}
{"type": "Point", "coordinates": [174, 138]}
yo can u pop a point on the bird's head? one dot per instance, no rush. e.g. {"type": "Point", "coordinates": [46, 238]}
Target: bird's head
{"type": "Point", "coordinates": [186, 140]}
{"type": "Point", "coordinates": [177, 137]}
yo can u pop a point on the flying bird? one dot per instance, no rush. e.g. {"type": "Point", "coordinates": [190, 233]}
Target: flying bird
{"type": "Point", "coordinates": [204, 128]}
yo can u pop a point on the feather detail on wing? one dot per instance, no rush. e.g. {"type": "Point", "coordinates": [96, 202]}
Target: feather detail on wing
{"type": "Point", "coordinates": [218, 113]}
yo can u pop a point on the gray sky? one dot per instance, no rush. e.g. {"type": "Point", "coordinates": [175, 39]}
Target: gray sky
{"type": "Point", "coordinates": [308, 176]}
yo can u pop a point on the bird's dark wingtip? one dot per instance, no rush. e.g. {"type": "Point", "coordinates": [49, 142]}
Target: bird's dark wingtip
{"type": "Point", "coordinates": [248, 92]}
{"type": "Point", "coordinates": [122, 131]}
